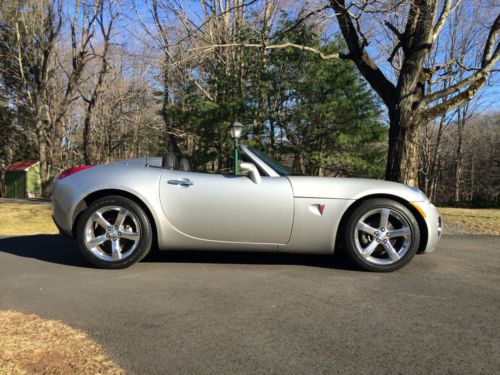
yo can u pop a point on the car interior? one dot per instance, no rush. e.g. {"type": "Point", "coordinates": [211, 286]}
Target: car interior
{"type": "Point", "coordinates": [170, 161]}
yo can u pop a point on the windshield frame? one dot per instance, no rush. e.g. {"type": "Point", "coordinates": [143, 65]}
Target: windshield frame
{"type": "Point", "coordinates": [270, 166]}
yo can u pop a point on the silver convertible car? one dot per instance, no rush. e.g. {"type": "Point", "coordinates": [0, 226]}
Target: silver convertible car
{"type": "Point", "coordinates": [118, 211]}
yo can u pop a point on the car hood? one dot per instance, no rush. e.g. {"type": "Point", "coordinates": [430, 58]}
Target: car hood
{"type": "Point", "coordinates": [350, 188]}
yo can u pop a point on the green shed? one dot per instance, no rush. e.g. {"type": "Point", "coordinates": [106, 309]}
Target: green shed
{"type": "Point", "coordinates": [22, 180]}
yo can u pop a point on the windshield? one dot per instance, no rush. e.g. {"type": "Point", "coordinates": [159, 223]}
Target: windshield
{"type": "Point", "coordinates": [281, 170]}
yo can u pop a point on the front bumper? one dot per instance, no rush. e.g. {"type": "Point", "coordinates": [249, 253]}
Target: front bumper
{"type": "Point", "coordinates": [434, 225]}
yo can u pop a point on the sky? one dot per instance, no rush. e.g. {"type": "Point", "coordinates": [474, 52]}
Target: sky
{"type": "Point", "coordinates": [488, 98]}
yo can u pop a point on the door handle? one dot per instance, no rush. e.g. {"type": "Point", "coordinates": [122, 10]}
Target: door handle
{"type": "Point", "coordinates": [182, 182]}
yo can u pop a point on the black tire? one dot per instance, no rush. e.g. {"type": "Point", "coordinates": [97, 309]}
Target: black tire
{"type": "Point", "coordinates": [139, 222]}
{"type": "Point", "coordinates": [400, 218]}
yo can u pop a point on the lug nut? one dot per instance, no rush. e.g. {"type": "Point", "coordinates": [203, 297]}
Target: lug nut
{"type": "Point", "coordinates": [382, 229]}
{"type": "Point", "coordinates": [378, 239]}
{"type": "Point", "coordinates": [119, 234]}
{"type": "Point", "coordinates": [376, 233]}
{"type": "Point", "coordinates": [385, 241]}
{"type": "Point", "coordinates": [109, 228]}
{"type": "Point", "coordinates": [387, 234]}
{"type": "Point", "coordinates": [107, 235]}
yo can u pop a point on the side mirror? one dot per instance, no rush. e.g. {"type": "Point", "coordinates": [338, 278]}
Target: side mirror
{"type": "Point", "coordinates": [252, 172]}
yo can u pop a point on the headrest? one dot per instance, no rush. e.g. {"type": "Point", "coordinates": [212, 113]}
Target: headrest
{"type": "Point", "coordinates": [184, 165]}
{"type": "Point", "coordinates": [169, 161]}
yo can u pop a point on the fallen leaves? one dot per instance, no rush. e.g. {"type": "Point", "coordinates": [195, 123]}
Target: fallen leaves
{"type": "Point", "coordinates": [31, 345]}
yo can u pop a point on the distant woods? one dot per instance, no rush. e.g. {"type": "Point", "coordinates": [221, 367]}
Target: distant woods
{"type": "Point", "coordinates": [98, 80]}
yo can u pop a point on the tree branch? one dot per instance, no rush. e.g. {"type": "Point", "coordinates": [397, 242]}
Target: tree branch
{"type": "Point", "coordinates": [488, 63]}
{"type": "Point", "coordinates": [393, 28]}
{"type": "Point", "coordinates": [333, 56]}
{"type": "Point", "coordinates": [454, 102]}
{"type": "Point", "coordinates": [490, 42]}
{"type": "Point", "coordinates": [445, 13]}
{"type": "Point", "coordinates": [301, 19]}
{"type": "Point", "coordinates": [372, 73]}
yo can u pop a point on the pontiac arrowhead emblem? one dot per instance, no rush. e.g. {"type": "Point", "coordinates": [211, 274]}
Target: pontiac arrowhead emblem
{"type": "Point", "coordinates": [321, 208]}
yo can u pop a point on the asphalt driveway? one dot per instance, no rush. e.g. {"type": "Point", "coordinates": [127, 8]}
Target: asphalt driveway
{"type": "Point", "coordinates": [235, 313]}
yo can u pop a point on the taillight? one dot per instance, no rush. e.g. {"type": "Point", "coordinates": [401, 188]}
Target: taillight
{"type": "Point", "coordinates": [70, 171]}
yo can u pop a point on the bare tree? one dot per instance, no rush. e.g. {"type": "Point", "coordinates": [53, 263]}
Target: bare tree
{"type": "Point", "coordinates": [46, 83]}
{"type": "Point", "coordinates": [105, 21]}
{"type": "Point", "coordinates": [410, 100]}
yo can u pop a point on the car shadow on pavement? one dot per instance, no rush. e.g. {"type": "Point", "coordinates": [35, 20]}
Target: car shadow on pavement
{"type": "Point", "coordinates": [50, 248]}
{"type": "Point", "coordinates": [60, 250]}
{"type": "Point", "coordinates": [337, 261]}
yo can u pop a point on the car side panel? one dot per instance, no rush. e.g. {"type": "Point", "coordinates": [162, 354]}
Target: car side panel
{"type": "Point", "coordinates": [134, 178]}
{"type": "Point", "coordinates": [228, 208]}
{"type": "Point", "coordinates": [313, 231]}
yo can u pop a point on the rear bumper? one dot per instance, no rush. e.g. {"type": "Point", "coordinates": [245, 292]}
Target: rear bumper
{"type": "Point", "coordinates": [62, 231]}
{"type": "Point", "coordinates": [63, 202]}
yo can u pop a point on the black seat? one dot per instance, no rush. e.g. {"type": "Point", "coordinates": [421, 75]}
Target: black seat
{"type": "Point", "coordinates": [169, 161]}
{"type": "Point", "coordinates": [184, 165]}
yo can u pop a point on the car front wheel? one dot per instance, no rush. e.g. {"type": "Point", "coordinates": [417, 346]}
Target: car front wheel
{"type": "Point", "coordinates": [381, 235]}
{"type": "Point", "coordinates": [114, 232]}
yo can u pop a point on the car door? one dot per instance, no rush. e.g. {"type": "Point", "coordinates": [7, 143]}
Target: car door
{"type": "Point", "coordinates": [228, 208]}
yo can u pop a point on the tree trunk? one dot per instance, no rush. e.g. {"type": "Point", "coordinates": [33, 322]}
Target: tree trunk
{"type": "Point", "coordinates": [42, 157]}
{"type": "Point", "coordinates": [458, 157]}
{"type": "Point", "coordinates": [402, 155]}
{"type": "Point", "coordinates": [86, 139]}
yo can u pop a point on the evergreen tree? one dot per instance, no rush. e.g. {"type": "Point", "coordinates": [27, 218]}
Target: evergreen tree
{"type": "Point", "coordinates": [319, 116]}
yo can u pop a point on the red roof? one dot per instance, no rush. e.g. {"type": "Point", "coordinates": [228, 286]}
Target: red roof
{"type": "Point", "coordinates": [21, 165]}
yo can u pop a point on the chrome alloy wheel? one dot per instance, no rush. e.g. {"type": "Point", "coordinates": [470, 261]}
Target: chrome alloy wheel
{"type": "Point", "coordinates": [112, 233]}
{"type": "Point", "coordinates": [382, 236]}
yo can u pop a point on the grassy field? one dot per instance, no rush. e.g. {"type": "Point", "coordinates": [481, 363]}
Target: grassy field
{"type": "Point", "coordinates": [482, 220]}
{"type": "Point", "coordinates": [26, 219]}
{"type": "Point", "coordinates": [31, 345]}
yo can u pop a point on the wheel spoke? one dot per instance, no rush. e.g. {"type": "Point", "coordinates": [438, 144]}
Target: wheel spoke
{"type": "Point", "coordinates": [97, 241]}
{"type": "Point", "coordinates": [120, 218]}
{"type": "Point", "coordinates": [384, 217]}
{"type": "Point", "coordinates": [134, 236]}
{"type": "Point", "coordinates": [367, 251]}
{"type": "Point", "coordinates": [393, 254]}
{"type": "Point", "coordinates": [402, 232]}
{"type": "Point", "coordinates": [99, 219]}
{"type": "Point", "coordinates": [116, 250]}
{"type": "Point", "coordinates": [363, 227]}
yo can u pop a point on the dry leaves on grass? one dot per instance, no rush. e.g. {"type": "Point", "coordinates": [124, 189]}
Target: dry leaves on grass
{"type": "Point", "coordinates": [31, 345]}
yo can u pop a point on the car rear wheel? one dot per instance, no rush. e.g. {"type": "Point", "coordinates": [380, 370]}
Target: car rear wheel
{"type": "Point", "coordinates": [114, 232]}
{"type": "Point", "coordinates": [381, 235]}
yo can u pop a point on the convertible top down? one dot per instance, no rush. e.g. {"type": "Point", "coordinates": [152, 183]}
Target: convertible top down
{"type": "Point", "coordinates": [116, 212]}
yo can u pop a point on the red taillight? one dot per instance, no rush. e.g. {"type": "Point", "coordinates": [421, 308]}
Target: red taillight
{"type": "Point", "coordinates": [70, 171]}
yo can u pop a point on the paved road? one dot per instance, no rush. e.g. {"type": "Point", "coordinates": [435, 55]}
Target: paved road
{"type": "Point", "coordinates": [269, 313]}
